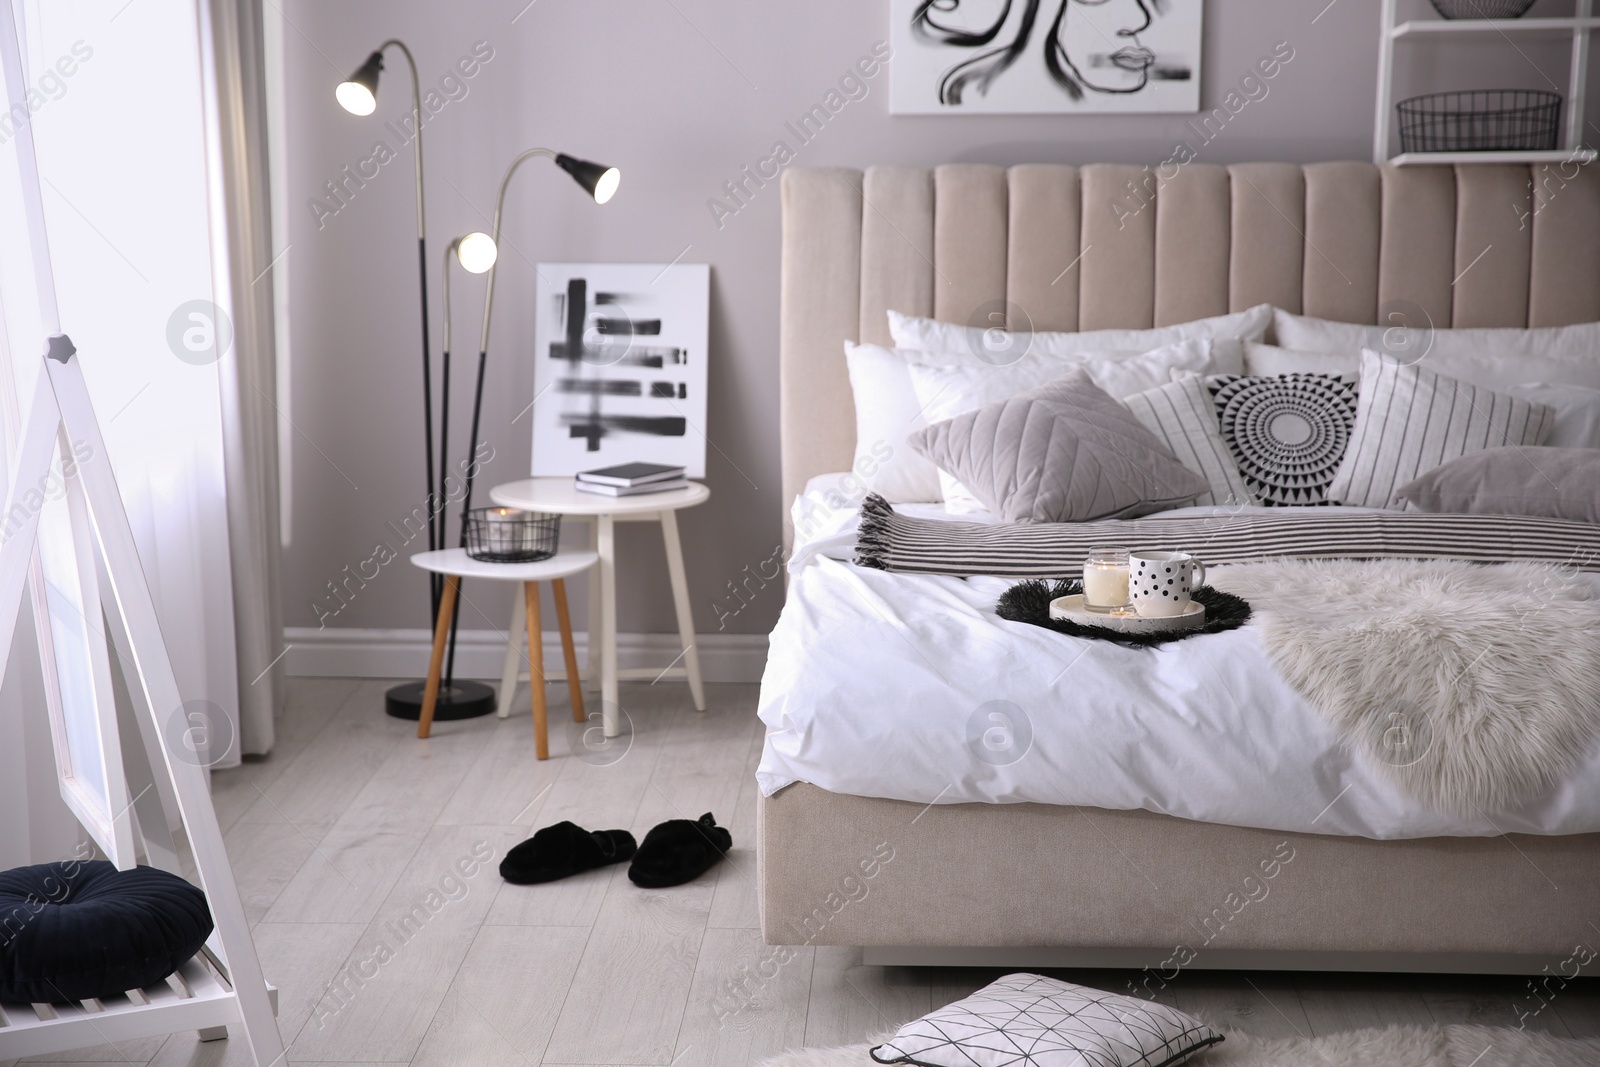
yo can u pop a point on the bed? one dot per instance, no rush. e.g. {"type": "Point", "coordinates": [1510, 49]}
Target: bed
{"type": "Point", "coordinates": [1123, 866]}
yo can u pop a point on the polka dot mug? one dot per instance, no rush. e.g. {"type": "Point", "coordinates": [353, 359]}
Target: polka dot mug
{"type": "Point", "coordinates": [1162, 584]}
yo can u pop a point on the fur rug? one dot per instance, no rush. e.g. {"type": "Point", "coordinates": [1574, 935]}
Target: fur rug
{"type": "Point", "coordinates": [1398, 1046]}
{"type": "Point", "coordinates": [1473, 687]}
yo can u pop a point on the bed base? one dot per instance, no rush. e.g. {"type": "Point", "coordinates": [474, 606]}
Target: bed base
{"type": "Point", "coordinates": [1041, 885]}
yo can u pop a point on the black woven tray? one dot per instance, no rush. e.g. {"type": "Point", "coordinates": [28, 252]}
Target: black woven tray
{"type": "Point", "coordinates": [1029, 602]}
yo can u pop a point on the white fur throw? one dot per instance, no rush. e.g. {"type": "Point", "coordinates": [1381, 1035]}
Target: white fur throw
{"type": "Point", "coordinates": [1471, 686]}
{"type": "Point", "coordinates": [1398, 1046]}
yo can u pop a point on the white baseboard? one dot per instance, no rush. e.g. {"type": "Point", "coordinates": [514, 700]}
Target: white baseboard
{"type": "Point", "coordinates": [369, 653]}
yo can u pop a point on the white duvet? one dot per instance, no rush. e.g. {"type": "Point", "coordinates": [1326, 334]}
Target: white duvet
{"type": "Point", "coordinates": [910, 687]}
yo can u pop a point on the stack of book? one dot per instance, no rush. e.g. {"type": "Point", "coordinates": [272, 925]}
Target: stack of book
{"type": "Point", "coordinates": [630, 479]}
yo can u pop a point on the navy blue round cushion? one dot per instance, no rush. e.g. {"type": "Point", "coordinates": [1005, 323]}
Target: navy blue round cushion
{"type": "Point", "coordinates": [74, 930]}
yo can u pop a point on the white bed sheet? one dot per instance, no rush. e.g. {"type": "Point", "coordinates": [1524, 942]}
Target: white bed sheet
{"type": "Point", "coordinates": [884, 685]}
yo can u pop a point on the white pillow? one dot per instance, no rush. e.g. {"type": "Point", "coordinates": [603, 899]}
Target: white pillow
{"type": "Point", "coordinates": [1183, 416]}
{"type": "Point", "coordinates": [1030, 1019]}
{"type": "Point", "coordinates": [992, 346]}
{"type": "Point", "coordinates": [1495, 358]}
{"type": "Point", "coordinates": [1271, 361]}
{"type": "Point", "coordinates": [943, 392]}
{"type": "Point", "coordinates": [887, 410]}
{"type": "Point", "coordinates": [1577, 412]}
{"type": "Point", "coordinates": [1410, 421]}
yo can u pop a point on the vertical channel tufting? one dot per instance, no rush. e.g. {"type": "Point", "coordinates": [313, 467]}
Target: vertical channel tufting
{"type": "Point", "coordinates": [1269, 221]}
{"type": "Point", "coordinates": [1493, 245]}
{"type": "Point", "coordinates": [969, 243]}
{"type": "Point", "coordinates": [1118, 270]}
{"type": "Point", "coordinates": [820, 283]}
{"type": "Point", "coordinates": [1043, 244]}
{"type": "Point", "coordinates": [1566, 245]}
{"type": "Point", "coordinates": [1418, 259]}
{"type": "Point", "coordinates": [896, 247]}
{"type": "Point", "coordinates": [1343, 223]}
{"type": "Point", "coordinates": [1192, 243]}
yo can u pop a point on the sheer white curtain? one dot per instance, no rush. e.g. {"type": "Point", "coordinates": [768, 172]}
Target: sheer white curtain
{"type": "Point", "coordinates": [141, 124]}
{"type": "Point", "coordinates": [250, 267]}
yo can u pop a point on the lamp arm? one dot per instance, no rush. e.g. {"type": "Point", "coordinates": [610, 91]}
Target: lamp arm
{"type": "Point", "coordinates": [436, 533]}
{"type": "Point", "coordinates": [499, 209]}
{"type": "Point", "coordinates": [449, 252]}
{"type": "Point", "coordinates": [416, 117]}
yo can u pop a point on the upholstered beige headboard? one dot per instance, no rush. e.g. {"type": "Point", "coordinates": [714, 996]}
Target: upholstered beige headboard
{"type": "Point", "coordinates": [1086, 248]}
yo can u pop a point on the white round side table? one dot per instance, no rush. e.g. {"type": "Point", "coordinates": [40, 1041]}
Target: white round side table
{"type": "Point", "coordinates": [558, 495]}
{"type": "Point", "coordinates": [455, 564]}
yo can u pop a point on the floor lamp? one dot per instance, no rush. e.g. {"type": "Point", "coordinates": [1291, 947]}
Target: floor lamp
{"type": "Point", "coordinates": [359, 96]}
{"type": "Point", "coordinates": [598, 181]}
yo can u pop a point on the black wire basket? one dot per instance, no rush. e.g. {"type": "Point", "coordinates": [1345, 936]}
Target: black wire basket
{"type": "Point", "coordinates": [1481, 120]}
{"type": "Point", "coordinates": [504, 535]}
{"type": "Point", "coordinates": [1482, 9]}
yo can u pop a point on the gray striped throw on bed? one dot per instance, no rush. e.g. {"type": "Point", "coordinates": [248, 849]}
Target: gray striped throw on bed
{"type": "Point", "coordinates": [893, 542]}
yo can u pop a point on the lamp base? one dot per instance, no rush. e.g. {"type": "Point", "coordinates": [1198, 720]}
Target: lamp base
{"type": "Point", "coordinates": [461, 700]}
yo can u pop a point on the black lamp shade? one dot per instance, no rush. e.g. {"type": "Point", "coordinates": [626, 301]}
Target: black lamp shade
{"type": "Point", "coordinates": [600, 180]}
{"type": "Point", "coordinates": [359, 93]}
{"type": "Point", "coordinates": [367, 73]}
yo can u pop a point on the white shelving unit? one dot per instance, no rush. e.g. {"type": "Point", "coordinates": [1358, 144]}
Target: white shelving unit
{"type": "Point", "coordinates": [1577, 28]}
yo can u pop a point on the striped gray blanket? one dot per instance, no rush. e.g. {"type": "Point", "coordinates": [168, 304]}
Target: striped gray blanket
{"type": "Point", "coordinates": [893, 542]}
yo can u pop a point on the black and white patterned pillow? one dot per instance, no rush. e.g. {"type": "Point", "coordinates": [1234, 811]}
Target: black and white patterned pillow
{"type": "Point", "coordinates": [1028, 1020]}
{"type": "Point", "coordinates": [1287, 433]}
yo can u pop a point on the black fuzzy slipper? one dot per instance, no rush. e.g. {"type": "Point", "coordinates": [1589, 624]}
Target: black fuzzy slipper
{"type": "Point", "coordinates": [563, 849]}
{"type": "Point", "coordinates": [679, 851]}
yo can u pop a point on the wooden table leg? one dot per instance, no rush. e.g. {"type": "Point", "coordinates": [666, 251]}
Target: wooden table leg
{"type": "Point", "coordinates": [541, 733]}
{"type": "Point", "coordinates": [441, 636]}
{"type": "Point", "coordinates": [680, 601]}
{"type": "Point", "coordinates": [608, 625]}
{"type": "Point", "coordinates": [570, 654]}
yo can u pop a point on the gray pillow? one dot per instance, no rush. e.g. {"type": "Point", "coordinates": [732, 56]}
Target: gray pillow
{"type": "Point", "coordinates": [1065, 451]}
{"type": "Point", "coordinates": [1545, 483]}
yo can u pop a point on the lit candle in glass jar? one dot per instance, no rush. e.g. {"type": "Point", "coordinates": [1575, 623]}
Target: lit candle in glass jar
{"type": "Point", "coordinates": [1105, 580]}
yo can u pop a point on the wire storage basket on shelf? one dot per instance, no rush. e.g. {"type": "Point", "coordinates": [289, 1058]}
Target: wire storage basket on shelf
{"type": "Point", "coordinates": [1481, 120]}
{"type": "Point", "coordinates": [505, 535]}
{"type": "Point", "coordinates": [1482, 9]}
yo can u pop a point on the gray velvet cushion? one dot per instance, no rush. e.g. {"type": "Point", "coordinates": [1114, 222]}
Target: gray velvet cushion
{"type": "Point", "coordinates": [1547, 483]}
{"type": "Point", "coordinates": [1065, 451]}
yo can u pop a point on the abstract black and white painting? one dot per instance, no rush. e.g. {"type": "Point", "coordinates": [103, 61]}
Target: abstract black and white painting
{"type": "Point", "coordinates": [1062, 57]}
{"type": "Point", "coordinates": [620, 373]}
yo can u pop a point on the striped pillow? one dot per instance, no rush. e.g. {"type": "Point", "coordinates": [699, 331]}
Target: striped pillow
{"type": "Point", "coordinates": [1410, 420]}
{"type": "Point", "coordinates": [1182, 417]}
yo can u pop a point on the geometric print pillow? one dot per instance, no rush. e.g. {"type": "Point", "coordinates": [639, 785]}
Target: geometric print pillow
{"type": "Point", "coordinates": [1028, 1020]}
{"type": "Point", "coordinates": [1287, 433]}
{"type": "Point", "coordinates": [1413, 420]}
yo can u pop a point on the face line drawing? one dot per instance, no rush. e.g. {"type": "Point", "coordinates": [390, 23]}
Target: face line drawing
{"type": "Point", "coordinates": [1066, 65]}
{"type": "Point", "coordinates": [1137, 60]}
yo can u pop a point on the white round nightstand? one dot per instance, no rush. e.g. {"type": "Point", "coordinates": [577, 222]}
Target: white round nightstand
{"type": "Point", "coordinates": [558, 495]}
{"type": "Point", "coordinates": [455, 564]}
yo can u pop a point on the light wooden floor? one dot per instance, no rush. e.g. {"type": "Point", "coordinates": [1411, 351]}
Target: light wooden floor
{"type": "Point", "coordinates": [352, 823]}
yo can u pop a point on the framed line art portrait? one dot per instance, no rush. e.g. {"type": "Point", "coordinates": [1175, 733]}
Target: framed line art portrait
{"type": "Point", "coordinates": [1057, 57]}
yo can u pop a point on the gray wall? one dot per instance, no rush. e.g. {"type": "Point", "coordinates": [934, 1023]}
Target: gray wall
{"type": "Point", "coordinates": [680, 94]}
